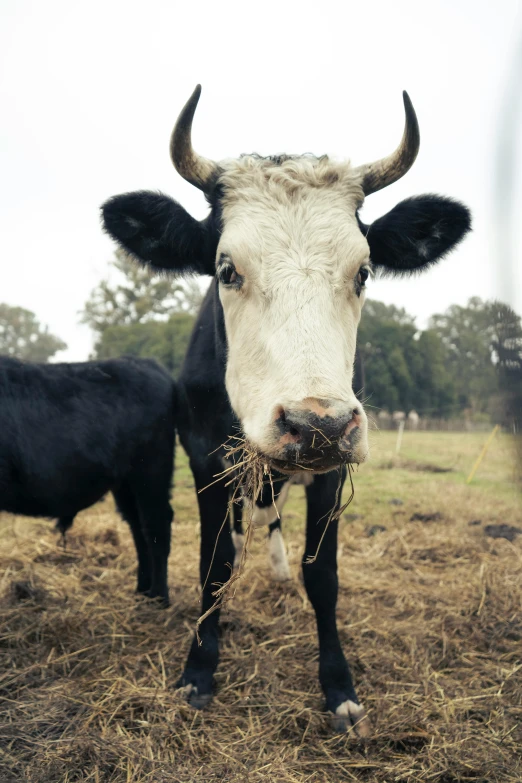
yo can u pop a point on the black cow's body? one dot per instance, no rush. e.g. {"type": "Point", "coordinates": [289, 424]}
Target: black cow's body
{"type": "Point", "coordinates": [70, 433]}
{"type": "Point", "coordinates": [205, 422]}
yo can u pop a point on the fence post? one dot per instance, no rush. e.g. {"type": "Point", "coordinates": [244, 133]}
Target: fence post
{"type": "Point", "coordinates": [482, 453]}
{"type": "Point", "coordinates": [399, 437]}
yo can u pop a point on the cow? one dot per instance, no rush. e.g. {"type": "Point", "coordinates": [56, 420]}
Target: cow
{"type": "Point", "coordinates": [413, 420]}
{"type": "Point", "coordinates": [70, 433]}
{"type": "Point", "coordinates": [272, 352]}
{"type": "Point", "coordinates": [384, 420]}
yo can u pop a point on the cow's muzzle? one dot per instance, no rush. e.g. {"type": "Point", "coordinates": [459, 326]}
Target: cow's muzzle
{"type": "Point", "coordinates": [317, 435]}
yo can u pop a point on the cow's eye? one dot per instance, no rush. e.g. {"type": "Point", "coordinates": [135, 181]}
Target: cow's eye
{"type": "Point", "coordinates": [227, 275]}
{"type": "Point", "coordinates": [362, 277]}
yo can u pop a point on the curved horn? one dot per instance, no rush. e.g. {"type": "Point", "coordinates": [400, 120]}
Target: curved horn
{"type": "Point", "coordinates": [197, 170]}
{"type": "Point", "coordinates": [381, 173]}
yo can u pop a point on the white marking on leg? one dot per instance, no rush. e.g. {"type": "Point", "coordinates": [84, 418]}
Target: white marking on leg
{"type": "Point", "coordinates": [188, 690]}
{"type": "Point", "coordinates": [277, 556]}
{"type": "Point", "coordinates": [355, 714]}
{"type": "Point", "coordinates": [238, 540]}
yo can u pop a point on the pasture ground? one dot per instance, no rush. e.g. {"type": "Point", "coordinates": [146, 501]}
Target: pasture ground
{"type": "Point", "coordinates": [429, 612]}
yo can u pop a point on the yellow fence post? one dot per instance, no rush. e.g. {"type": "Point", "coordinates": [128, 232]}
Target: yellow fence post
{"type": "Point", "coordinates": [483, 453]}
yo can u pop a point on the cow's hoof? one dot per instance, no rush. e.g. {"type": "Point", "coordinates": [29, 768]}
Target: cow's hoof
{"type": "Point", "coordinates": [352, 717]}
{"type": "Point", "coordinates": [160, 598]}
{"type": "Point", "coordinates": [197, 687]}
{"type": "Point", "coordinates": [196, 700]}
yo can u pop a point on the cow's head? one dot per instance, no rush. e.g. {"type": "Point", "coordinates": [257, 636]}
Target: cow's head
{"type": "Point", "coordinates": [292, 259]}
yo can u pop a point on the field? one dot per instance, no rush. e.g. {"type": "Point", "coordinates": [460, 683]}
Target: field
{"type": "Point", "coordinates": [430, 617]}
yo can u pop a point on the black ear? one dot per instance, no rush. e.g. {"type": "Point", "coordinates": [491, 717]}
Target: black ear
{"type": "Point", "coordinates": [416, 233]}
{"type": "Point", "coordinates": [158, 231]}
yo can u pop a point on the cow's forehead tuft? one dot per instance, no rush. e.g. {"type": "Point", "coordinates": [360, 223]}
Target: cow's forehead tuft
{"type": "Point", "coordinates": [289, 177]}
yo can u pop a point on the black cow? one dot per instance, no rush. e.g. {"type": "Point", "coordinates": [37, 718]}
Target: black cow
{"type": "Point", "coordinates": [272, 352]}
{"type": "Point", "coordinates": [70, 433]}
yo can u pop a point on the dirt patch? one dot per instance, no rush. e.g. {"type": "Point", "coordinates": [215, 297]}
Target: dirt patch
{"type": "Point", "coordinates": [434, 516]}
{"type": "Point", "coordinates": [502, 531]}
{"type": "Point", "coordinates": [26, 591]}
{"type": "Point", "coordinates": [374, 530]}
{"type": "Point", "coordinates": [403, 463]}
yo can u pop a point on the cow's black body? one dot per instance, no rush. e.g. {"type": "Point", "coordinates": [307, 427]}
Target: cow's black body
{"type": "Point", "coordinates": [205, 422]}
{"type": "Point", "coordinates": [70, 433]}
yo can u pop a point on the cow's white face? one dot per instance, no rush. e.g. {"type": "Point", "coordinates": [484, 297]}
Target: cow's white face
{"type": "Point", "coordinates": [291, 264]}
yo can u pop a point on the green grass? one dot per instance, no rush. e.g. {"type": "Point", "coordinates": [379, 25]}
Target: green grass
{"type": "Point", "coordinates": [493, 494]}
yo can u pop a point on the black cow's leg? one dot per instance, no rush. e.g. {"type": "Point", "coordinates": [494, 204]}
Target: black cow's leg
{"type": "Point", "coordinates": [156, 519]}
{"type": "Point", "coordinates": [320, 578]}
{"type": "Point", "coordinates": [128, 509]}
{"type": "Point", "coordinates": [216, 561]}
{"type": "Point", "coordinates": [63, 525]}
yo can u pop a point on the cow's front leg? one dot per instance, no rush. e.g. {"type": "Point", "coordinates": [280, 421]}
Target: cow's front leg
{"type": "Point", "coordinates": [216, 560]}
{"type": "Point", "coordinates": [320, 578]}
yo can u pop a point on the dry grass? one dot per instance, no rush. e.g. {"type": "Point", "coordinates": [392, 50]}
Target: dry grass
{"type": "Point", "coordinates": [430, 617]}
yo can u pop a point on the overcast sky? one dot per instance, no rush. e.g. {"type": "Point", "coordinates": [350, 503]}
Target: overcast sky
{"type": "Point", "coordinates": [90, 92]}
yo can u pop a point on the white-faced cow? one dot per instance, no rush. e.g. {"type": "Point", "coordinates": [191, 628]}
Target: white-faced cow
{"type": "Point", "coordinates": [273, 348]}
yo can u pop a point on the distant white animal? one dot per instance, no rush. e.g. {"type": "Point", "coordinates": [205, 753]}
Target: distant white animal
{"type": "Point", "coordinates": [413, 420]}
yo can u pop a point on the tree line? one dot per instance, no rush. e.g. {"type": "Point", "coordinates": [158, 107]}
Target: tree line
{"type": "Point", "coordinates": [469, 358]}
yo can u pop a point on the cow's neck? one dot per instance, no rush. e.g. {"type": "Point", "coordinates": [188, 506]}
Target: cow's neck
{"type": "Point", "coordinates": [202, 379]}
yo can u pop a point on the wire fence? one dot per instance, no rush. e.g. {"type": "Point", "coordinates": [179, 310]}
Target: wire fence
{"type": "Point", "coordinates": [428, 423]}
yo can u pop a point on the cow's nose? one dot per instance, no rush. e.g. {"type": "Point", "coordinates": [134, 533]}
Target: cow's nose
{"type": "Point", "coordinates": [316, 426]}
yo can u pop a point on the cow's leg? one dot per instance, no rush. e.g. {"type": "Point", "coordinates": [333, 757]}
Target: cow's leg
{"type": "Point", "coordinates": [320, 578]}
{"type": "Point", "coordinates": [63, 525]}
{"type": "Point", "coordinates": [238, 537]}
{"type": "Point", "coordinates": [127, 507]}
{"type": "Point", "coordinates": [277, 552]}
{"type": "Point", "coordinates": [156, 519]}
{"type": "Point", "coordinates": [271, 504]}
{"type": "Point", "coordinates": [216, 562]}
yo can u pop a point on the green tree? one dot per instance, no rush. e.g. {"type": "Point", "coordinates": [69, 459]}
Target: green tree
{"type": "Point", "coordinates": [140, 295]}
{"type": "Point", "coordinates": [165, 341]}
{"type": "Point", "coordinates": [404, 368]}
{"type": "Point", "coordinates": [435, 388]}
{"type": "Point", "coordinates": [22, 336]}
{"type": "Point", "coordinates": [477, 337]}
{"type": "Point", "coordinates": [506, 344]}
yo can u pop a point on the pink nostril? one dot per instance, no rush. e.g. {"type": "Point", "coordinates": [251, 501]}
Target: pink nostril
{"type": "Point", "coordinates": [353, 423]}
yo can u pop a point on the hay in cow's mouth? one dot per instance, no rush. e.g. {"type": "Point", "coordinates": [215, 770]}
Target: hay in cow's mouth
{"type": "Point", "coordinates": [247, 471]}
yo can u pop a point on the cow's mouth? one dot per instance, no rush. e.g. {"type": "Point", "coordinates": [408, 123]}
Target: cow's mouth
{"type": "Point", "coordinates": [322, 463]}
{"type": "Point", "coordinates": [294, 459]}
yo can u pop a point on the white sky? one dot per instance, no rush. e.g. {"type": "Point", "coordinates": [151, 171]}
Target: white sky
{"type": "Point", "coordinates": [89, 93]}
